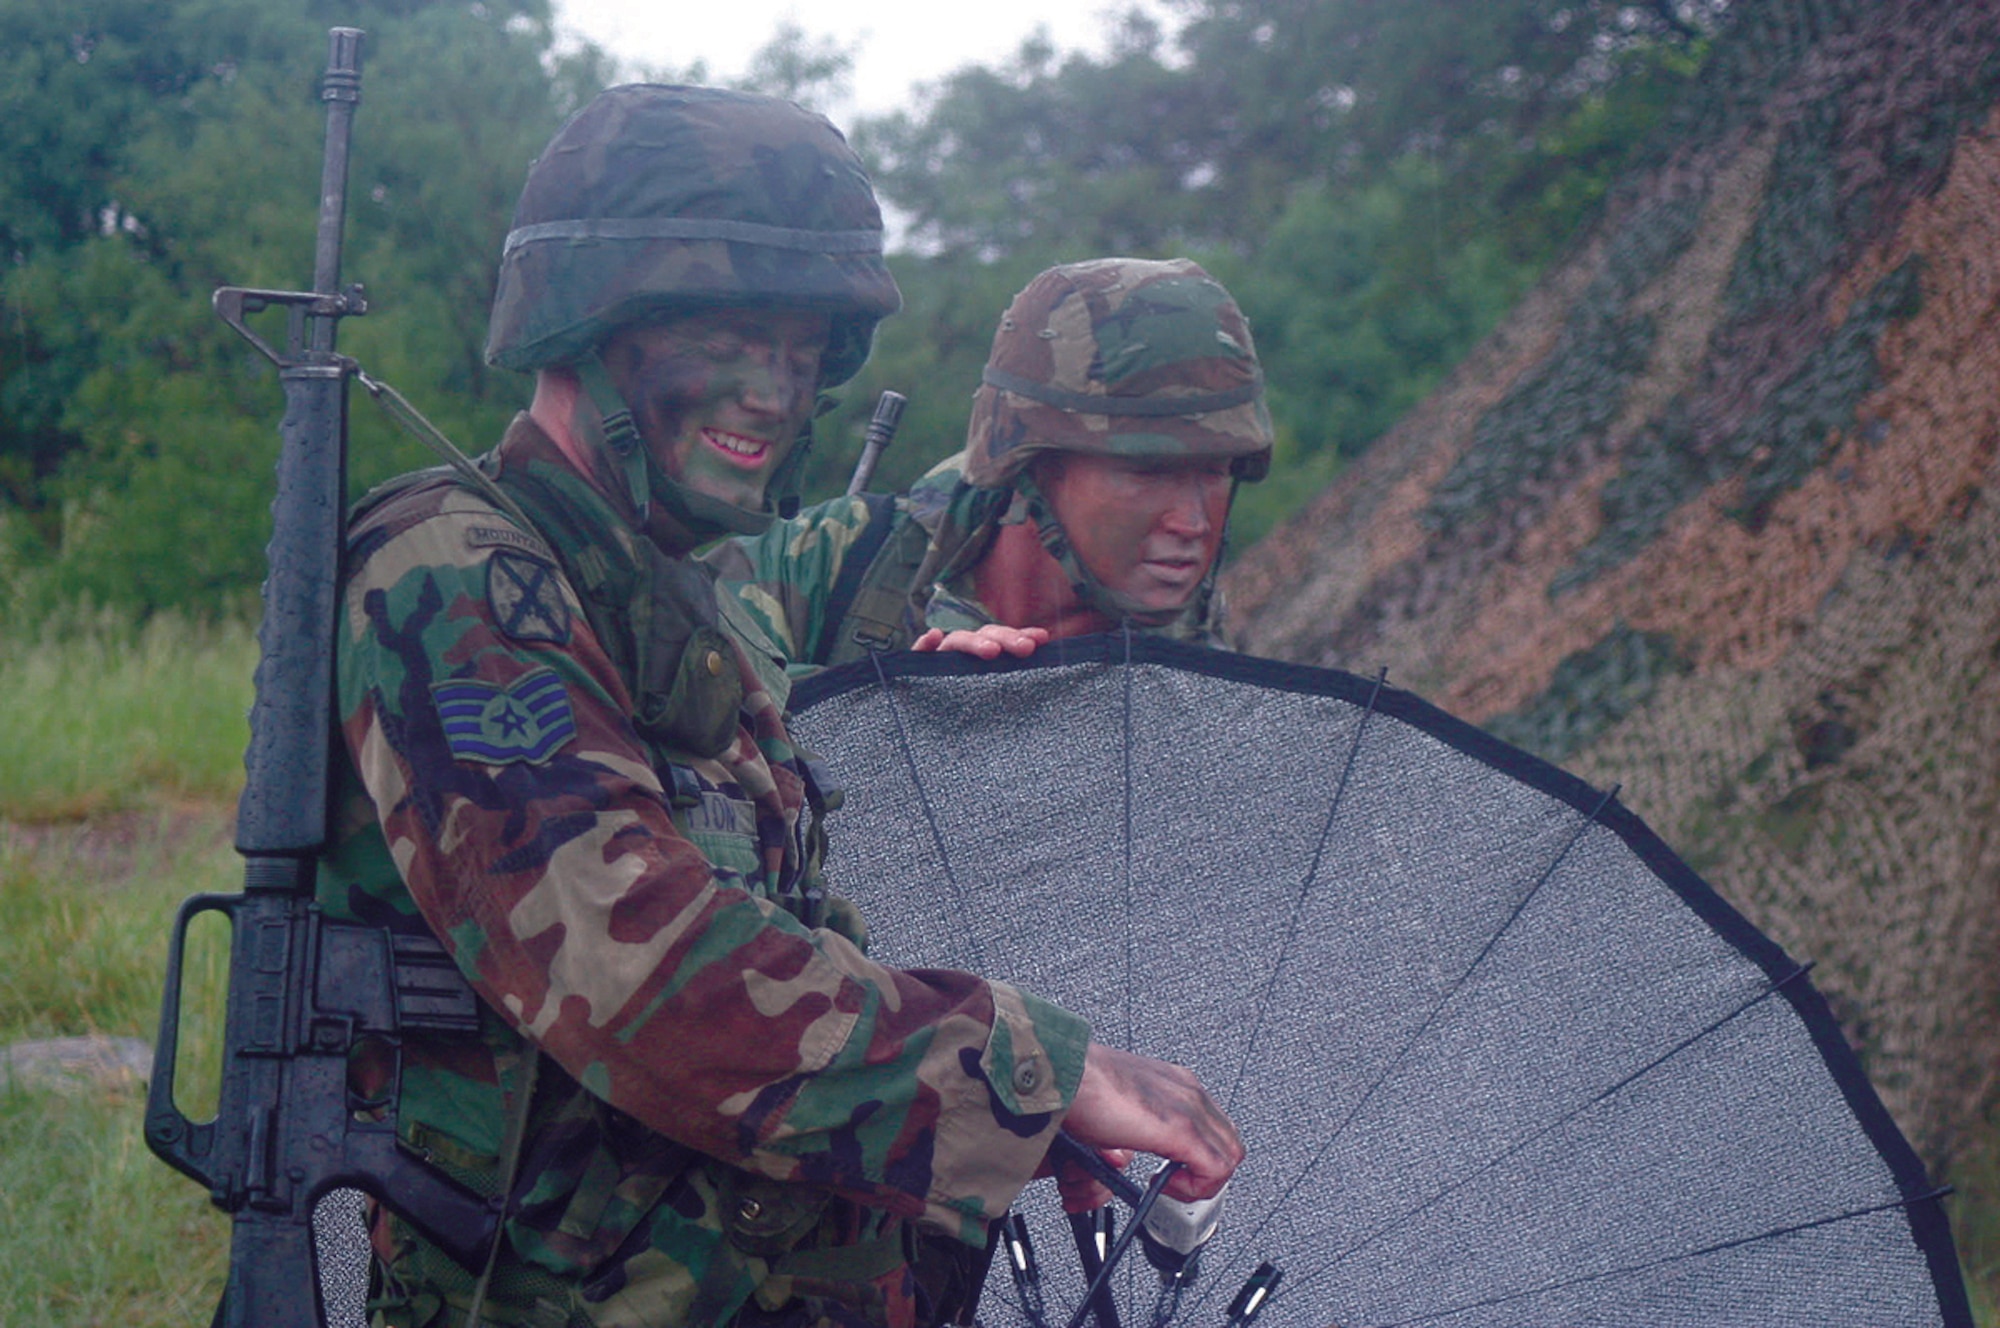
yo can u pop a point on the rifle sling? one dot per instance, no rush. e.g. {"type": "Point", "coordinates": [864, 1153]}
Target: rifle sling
{"type": "Point", "coordinates": [870, 606]}
{"type": "Point", "coordinates": [860, 557]}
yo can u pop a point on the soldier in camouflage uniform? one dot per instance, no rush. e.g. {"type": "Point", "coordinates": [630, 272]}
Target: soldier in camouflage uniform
{"type": "Point", "coordinates": [1120, 406]}
{"type": "Point", "coordinates": [568, 760]}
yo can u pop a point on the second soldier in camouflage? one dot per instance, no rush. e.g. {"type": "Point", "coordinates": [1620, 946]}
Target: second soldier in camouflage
{"type": "Point", "coordinates": [1120, 405]}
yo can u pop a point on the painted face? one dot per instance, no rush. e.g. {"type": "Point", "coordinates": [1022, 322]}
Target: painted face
{"type": "Point", "coordinates": [721, 394]}
{"type": "Point", "coordinates": [1146, 527]}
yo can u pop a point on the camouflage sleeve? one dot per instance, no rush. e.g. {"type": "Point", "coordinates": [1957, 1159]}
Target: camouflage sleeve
{"type": "Point", "coordinates": [785, 575]}
{"type": "Point", "coordinates": [522, 811]}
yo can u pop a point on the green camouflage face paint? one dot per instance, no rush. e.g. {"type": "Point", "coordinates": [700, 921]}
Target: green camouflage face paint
{"type": "Point", "coordinates": [721, 395]}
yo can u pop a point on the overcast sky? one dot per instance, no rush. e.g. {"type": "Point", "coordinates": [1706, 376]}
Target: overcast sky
{"type": "Point", "coordinates": [899, 42]}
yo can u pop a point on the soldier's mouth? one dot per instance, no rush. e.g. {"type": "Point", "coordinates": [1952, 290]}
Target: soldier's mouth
{"type": "Point", "coordinates": [1175, 571]}
{"type": "Point", "coordinates": [749, 453]}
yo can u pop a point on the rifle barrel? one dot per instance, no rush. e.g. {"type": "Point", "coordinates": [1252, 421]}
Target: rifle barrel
{"type": "Point", "coordinates": [881, 430]}
{"type": "Point", "coordinates": [341, 91]}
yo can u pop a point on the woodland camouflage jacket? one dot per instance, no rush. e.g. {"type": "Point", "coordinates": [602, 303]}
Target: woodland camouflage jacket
{"type": "Point", "coordinates": [920, 573]}
{"type": "Point", "coordinates": [641, 911]}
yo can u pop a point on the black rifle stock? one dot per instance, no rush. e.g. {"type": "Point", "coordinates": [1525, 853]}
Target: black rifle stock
{"type": "Point", "coordinates": [305, 993]}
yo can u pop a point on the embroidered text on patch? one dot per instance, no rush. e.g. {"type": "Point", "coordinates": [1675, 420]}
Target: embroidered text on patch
{"type": "Point", "coordinates": [485, 537]}
{"type": "Point", "coordinates": [524, 721]}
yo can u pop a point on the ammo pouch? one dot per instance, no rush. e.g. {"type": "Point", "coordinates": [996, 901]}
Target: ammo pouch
{"type": "Point", "coordinates": [769, 1220]}
{"type": "Point", "coordinates": [766, 1218]}
{"type": "Point", "coordinates": [689, 689]}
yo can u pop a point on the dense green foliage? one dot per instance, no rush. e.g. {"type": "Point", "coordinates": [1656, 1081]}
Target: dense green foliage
{"type": "Point", "coordinates": [1376, 182]}
{"type": "Point", "coordinates": [155, 151]}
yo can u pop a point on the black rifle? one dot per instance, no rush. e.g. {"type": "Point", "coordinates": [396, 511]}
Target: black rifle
{"type": "Point", "coordinates": [881, 430]}
{"type": "Point", "coordinates": [306, 994]}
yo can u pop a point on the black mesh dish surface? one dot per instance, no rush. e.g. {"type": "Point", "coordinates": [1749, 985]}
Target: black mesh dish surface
{"type": "Point", "coordinates": [1500, 1058]}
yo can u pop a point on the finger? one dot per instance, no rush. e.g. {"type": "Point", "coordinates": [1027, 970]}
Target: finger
{"type": "Point", "coordinates": [1208, 1165]}
{"type": "Point", "coordinates": [1080, 1190]}
{"type": "Point", "coordinates": [970, 643]}
{"type": "Point", "coordinates": [1083, 1195]}
{"type": "Point", "coordinates": [929, 641]}
{"type": "Point", "coordinates": [1189, 1185]}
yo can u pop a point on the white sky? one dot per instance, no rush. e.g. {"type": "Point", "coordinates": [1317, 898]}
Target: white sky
{"type": "Point", "coordinates": [898, 43]}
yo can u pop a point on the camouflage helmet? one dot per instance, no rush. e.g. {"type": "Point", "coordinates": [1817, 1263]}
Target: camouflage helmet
{"type": "Point", "coordinates": [1119, 357]}
{"type": "Point", "coordinates": [655, 199]}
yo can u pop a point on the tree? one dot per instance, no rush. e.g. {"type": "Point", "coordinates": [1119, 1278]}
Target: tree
{"type": "Point", "coordinates": [136, 432]}
{"type": "Point", "coordinates": [1376, 182]}
{"type": "Point", "coordinates": [1202, 140]}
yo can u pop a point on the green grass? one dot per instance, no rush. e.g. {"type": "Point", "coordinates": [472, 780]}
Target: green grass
{"type": "Point", "coordinates": [122, 752]}
{"type": "Point", "coordinates": [97, 716]}
{"type": "Point", "coordinates": [96, 1229]}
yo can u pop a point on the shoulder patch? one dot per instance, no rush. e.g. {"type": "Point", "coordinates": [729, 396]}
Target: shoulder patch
{"type": "Point", "coordinates": [526, 598]}
{"type": "Point", "coordinates": [527, 720]}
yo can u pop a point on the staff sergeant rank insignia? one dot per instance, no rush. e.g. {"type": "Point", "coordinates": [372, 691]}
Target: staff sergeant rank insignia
{"type": "Point", "coordinates": [524, 721]}
{"type": "Point", "coordinates": [526, 599]}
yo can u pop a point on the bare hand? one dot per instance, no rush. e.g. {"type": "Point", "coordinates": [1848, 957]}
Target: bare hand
{"type": "Point", "coordinates": [1129, 1102]}
{"type": "Point", "coordinates": [987, 642]}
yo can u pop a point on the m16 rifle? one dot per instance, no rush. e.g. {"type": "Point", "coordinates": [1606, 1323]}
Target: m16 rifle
{"type": "Point", "coordinates": [307, 994]}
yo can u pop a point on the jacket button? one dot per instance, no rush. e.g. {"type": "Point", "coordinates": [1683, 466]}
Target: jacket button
{"type": "Point", "coordinates": [750, 1210]}
{"type": "Point", "coordinates": [714, 664]}
{"type": "Point", "coordinates": [1027, 1076]}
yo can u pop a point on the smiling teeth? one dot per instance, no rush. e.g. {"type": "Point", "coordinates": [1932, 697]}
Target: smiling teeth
{"type": "Point", "coordinates": [729, 442]}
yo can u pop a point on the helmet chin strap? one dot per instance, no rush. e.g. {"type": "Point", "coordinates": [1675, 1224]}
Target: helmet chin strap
{"type": "Point", "coordinates": [1087, 588]}
{"type": "Point", "coordinates": [621, 432]}
{"type": "Point", "coordinates": [704, 515]}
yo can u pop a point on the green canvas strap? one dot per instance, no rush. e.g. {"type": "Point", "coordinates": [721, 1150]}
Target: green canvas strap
{"type": "Point", "coordinates": [621, 434]}
{"type": "Point", "coordinates": [510, 1161]}
{"type": "Point", "coordinates": [857, 562]}
{"type": "Point", "coordinates": [868, 608]}
{"type": "Point", "coordinates": [861, 1262]}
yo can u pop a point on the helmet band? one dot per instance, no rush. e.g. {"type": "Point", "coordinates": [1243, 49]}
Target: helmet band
{"type": "Point", "coordinates": [1084, 403]}
{"type": "Point", "coordinates": [696, 228]}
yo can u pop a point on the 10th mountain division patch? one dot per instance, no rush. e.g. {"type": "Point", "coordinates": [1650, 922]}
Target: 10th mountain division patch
{"type": "Point", "coordinates": [526, 598]}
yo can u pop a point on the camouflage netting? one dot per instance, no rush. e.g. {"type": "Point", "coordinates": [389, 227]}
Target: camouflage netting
{"type": "Point", "coordinates": [1713, 516]}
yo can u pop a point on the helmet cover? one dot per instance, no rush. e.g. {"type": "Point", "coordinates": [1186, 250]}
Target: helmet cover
{"type": "Point", "coordinates": [657, 199]}
{"type": "Point", "coordinates": [1119, 357]}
